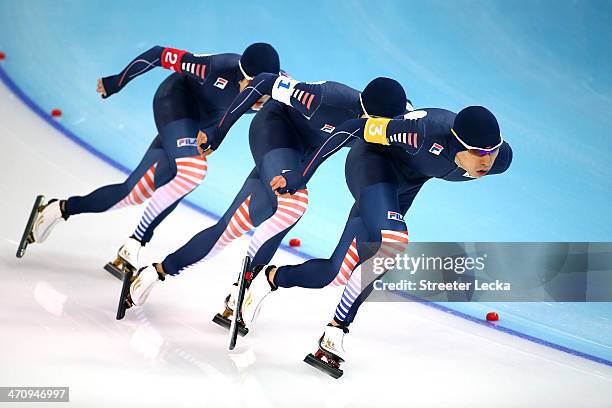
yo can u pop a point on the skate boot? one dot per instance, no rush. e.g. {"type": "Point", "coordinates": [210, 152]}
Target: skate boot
{"type": "Point", "coordinates": [331, 351]}
{"type": "Point", "coordinates": [48, 217]}
{"type": "Point", "coordinates": [43, 218]}
{"type": "Point", "coordinates": [259, 288]}
{"type": "Point", "coordinates": [223, 318]}
{"type": "Point", "coordinates": [136, 288]}
{"type": "Point", "coordinates": [128, 257]}
{"type": "Point", "coordinates": [144, 282]}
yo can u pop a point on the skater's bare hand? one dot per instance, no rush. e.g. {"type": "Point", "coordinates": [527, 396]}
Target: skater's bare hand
{"type": "Point", "coordinates": [203, 139]}
{"type": "Point", "coordinates": [279, 182]}
{"type": "Point", "coordinates": [100, 88]}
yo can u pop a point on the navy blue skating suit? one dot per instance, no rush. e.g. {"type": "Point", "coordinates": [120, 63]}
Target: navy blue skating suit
{"type": "Point", "coordinates": [385, 169]}
{"type": "Point", "coordinates": [194, 97]}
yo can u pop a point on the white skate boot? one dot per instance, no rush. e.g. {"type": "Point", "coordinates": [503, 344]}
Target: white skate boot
{"type": "Point", "coordinates": [332, 341]}
{"type": "Point", "coordinates": [223, 318]}
{"type": "Point", "coordinates": [128, 258]}
{"type": "Point", "coordinates": [129, 253]}
{"type": "Point", "coordinates": [331, 351]}
{"type": "Point", "coordinates": [230, 301]}
{"type": "Point", "coordinates": [259, 288]}
{"type": "Point", "coordinates": [143, 284]}
{"type": "Point", "coordinates": [46, 220]}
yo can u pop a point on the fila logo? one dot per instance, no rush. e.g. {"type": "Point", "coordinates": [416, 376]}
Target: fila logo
{"type": "Point", "coordinates": [186, 141]}
{"type": "Point", "coordinates": [221, 82]}
{"type": "Point", "coordinates": [436, 149]}
{"type": "Point", "coordinates": [328, 128]}
{"type": "Point", "coordinates": [392, 215]}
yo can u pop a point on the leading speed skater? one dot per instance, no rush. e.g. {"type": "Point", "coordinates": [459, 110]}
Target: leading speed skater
{"type": "Point", "coordinates": [387, 166]}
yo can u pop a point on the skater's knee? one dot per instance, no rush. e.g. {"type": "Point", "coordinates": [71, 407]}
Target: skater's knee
{"type": "Point", "coordinates": [294, 205]}
{"type": "Point", "coordinates": [337, 267]}
{"type": "Point", "coordinates": [328, 272]}
{"type": "Point", "coordinates": [394, 241]}
{"type": "Point", "coordinates": [125, 188]}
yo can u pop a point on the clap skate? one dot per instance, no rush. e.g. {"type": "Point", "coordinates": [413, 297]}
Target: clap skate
{"type": "Point", "coordinates": [125, 300]}
{"type": "Point", "coordinates": [137, 287]}
{"type": "Point", "coordinates": [330, 353]}
{"type": "Point", "coordinates": [43, 218]}
{"type": "Point", "coordinates": [223, 318]}
{"type": "Point", "coordinates": [128, 257]}
{"type": "Point", "coordinates": [236, 319]}
{"type": "Point", "coordinates": [27, 237]}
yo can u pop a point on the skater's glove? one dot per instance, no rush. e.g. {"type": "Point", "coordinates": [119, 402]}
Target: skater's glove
{"type": "Point", "coordinates": [293, 182]}
{"type": "Point", "coordinates": [109, 86]}
{"type": "Point", "coordinates": [208, 140]}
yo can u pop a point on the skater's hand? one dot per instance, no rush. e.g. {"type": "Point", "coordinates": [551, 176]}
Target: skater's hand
{"type": "Point", "coordinates": [203, 147]}
{"type": "Point", "coordinates": [108, 86]}
{"type": "Point", "coordinates": [288, 183]}
{"type": "Point", "coordinates": [277, 183]}
{"type": "Point", "coordinates": [100, 89]}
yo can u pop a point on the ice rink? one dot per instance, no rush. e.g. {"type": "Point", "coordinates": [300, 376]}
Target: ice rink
{"type": "Point", "coordinates": [57, 313]}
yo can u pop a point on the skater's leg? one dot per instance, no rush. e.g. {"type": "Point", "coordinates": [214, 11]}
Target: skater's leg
{"type": "Point", "coordinates": [318, 273]}
{"type": "Point", "coordinates": [250, 203]}
{"type": "Point", "coordinates": [133, 191]}
{"type": "Point", "coordinates": [387, 236]}
{"type": "Point", "coordinates": [381, 210]}
{"type": "Point", "coordinates": [190, 172]}
{"type": "Point", "coordinates": [183, 169]}
{"type": "Point", "coordinates": [276, 146]}
{"type": "Point", "coordinates": [178, 170]}
{"type": "Point", "coordinates": [269, 234]}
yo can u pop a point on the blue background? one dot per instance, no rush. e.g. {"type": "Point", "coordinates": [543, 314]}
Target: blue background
{"type": "Point", "coordinates": [542, 67]}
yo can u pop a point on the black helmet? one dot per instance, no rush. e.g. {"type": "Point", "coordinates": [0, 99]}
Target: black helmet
{"type": "Point", "coordinates": [258, 58]}
{"type": "Point", "coordinates": [383, 97]}
{"type": "Point", "coordinates": [476, 126]}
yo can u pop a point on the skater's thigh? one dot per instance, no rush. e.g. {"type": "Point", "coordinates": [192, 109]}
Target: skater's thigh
{"type": "Point", "coordinates": [407, 196]}
{"type": "Point", "coordinates": [274, 141]}
{"type": "Point", "coordinates": [354, 229]}
{"type": "Point", "coordinates": [174, 101]}
{"type": "Point", "coordinates": [374, 185]}
{"type": "Point", "coordinates": [177, 117]}
{"type": "Point", "coordinates": [367, 165]}
{"type": "Point", "coordinates": [260, 207]}
{"type": "Point", "coordinates": [380, 210]}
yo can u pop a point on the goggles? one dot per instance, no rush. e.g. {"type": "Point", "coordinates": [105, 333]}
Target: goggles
{"type": "Point", "coordinates": [479, 150]}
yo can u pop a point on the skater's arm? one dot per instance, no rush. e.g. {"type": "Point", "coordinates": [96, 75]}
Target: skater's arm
{"type": "Point", "coordinates": [170, 58]}
{"type": "Point", "coordinates": [292, 180]}
{"type": "Point", "coordinates": [407, 134]}
{"type": "Point", "coordinates": [213, 136]}
{"type": "Point", "coordinates": [302, 96]}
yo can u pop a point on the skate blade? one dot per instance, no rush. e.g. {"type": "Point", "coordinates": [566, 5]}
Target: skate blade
{"type": "Point", "coordinates": [321, 365]}
{"type": "Point", "coordinates": [226, 323]}
{"type": "Point", "coordinates": [124, 302]}
{"type": "Point", "coordinates": [236, 320]}
{"type": "Point", "coordinates": [114, 270]}
{"type": "Point", "coordinates": [27, 232]}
